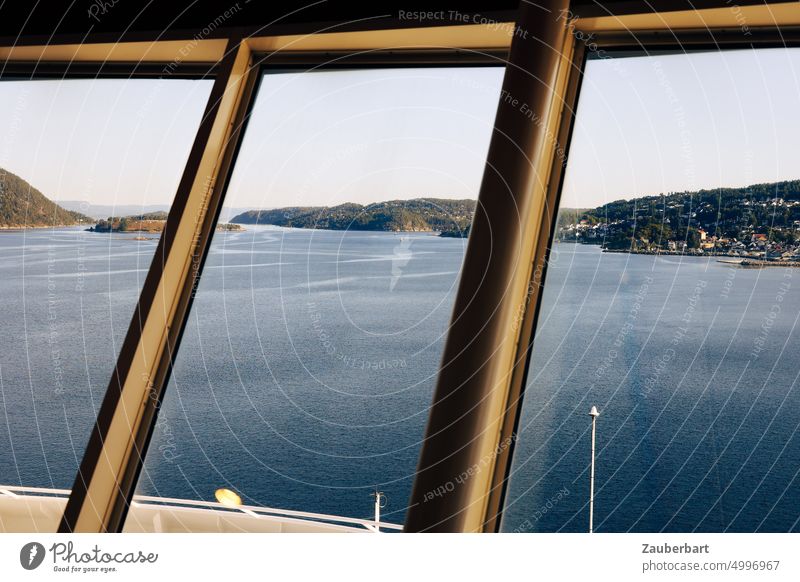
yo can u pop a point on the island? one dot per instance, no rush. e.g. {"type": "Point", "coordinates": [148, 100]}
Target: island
{"type": "Point", "coordinates": [759, 224]}
{"type": "Point", "coordinates": [149, 222]}
{"type": "Point", "coordinates": [447, 217]}
{"type": "Point", "coordinates": [23, 206]}
{"type": "Point", "coordinates": [456, 232]}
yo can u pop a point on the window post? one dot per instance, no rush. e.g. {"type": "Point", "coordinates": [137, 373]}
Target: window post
{"type": "Point", "coordinates": [106, 479]}
{"type": "Point", "coordinates": [470, 430]}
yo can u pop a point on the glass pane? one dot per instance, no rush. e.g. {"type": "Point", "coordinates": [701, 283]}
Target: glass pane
{"type": "Point", "coordinates": [670, 305]}
{"type": "Point", "coordinates": [306, 371]}
{"type": "Point", "coordinates": [73, 154]}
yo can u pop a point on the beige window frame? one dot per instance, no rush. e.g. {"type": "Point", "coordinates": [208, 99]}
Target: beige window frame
{"type": "Point", "coordinates": [103, 488]}
{"type": "Point", "coordinates": [466, 456]}
{"type": "Point", "coordinates": [479, 389]}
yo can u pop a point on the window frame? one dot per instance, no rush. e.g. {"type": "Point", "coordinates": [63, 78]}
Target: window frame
{"type": "Point", "coordinates": [615, 44]}
{"type": "Point", "coordinates": [26, 70]}
{"type": "Point", "coordinates": [261, 65]}
{"type": "Point", "coordinates": [98, 503]}
{"type": "Point", "coordinates": [109, 469]}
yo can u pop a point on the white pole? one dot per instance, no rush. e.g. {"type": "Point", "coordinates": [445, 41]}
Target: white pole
{"type": "Point", "coordinates": [379, 497]}
{"type": "Point", "coordinates": [594, 414]}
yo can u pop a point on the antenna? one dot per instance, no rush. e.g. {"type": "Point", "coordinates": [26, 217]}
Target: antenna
{"type": "Point", "coordinates": [380, 503]}
{"type": "Point", "coordinates": [594, 414]}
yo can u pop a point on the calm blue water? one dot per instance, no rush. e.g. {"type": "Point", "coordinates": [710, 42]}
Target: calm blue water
{"type": "Point", "coordinates": [693, 366]}
{"type": "Point", "coordinates": [67, 299]}
{"type": "Point", "coordinates": [308, 364]}
{"type": "Point", "coordinates": [306, 370]}
{"type": "Point", "coordinates": [303, 380]}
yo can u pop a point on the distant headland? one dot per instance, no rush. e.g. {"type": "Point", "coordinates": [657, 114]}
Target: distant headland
{"type": "Point", "coordinates": [23, 206]}
{"type": "Point", "coordinates": [450, 218]}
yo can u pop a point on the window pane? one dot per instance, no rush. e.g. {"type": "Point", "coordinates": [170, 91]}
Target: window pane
{"type": "Point", "coordinates": [670, 305]}
{"type": "Point", "coordinates": [305, 374]}
{"type": "Point", "coordinates": [75, 152]}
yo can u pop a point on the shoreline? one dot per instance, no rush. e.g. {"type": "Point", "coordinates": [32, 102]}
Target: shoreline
{"type": "Point", "coordinates": [740, 261]}
{"type": "Point", "coordinates": [673, 253]}
{"type": "Point", "coordinates": [18, 228]}
{"type": "Point", "coordinates": [359, 230]}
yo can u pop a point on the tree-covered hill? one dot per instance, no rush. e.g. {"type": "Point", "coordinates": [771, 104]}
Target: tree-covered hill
{"type": "Point", "coordinates": [23, 206]}
{"type": "Point", "coordinates": [148, 222]}
{"type": "Point", "coordinates": [771, 209]}
{"type": "Point", "coordinates": [419, 214]}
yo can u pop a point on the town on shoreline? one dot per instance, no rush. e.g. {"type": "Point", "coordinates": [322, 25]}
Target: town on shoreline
{"type": "Point", "coordinates": [757, 225]}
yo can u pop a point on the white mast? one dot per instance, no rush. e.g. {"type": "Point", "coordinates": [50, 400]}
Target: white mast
{"type": "Point", "coordinates": [594, 414]}
{"type": "Point", "coordinates": [379, 498]}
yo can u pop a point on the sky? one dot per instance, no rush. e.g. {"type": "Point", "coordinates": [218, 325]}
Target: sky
{"type": "Point", "coordinates": [644, 125]}
{"type": "Point", "coordinates": [107, 141]}
{"type": "Point", "coordinates": [328, 137]}
{"type": "Point", "coordinates": [651, 125]}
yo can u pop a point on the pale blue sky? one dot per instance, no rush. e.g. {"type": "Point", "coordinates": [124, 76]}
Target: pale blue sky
{"type": "Point", "coordinates": [103, 141]}
{"type": "Point", "coordinates": [329, 137]}
{"type": "Point", "coordinates": [648, 125]}
{"type": "Point", "coordinates": [645, 125]}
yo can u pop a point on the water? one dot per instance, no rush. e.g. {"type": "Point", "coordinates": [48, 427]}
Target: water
{"type": "Point", "coordinates": [67, 300]}
{"type": "Point", "coordinates": [306, 370]}
{"type": "Point", "coordinates": [303, 380]}
{"type": "Point", "coordinates": [692, 365]}
{"type": "Point", "coordinates": [308, 364]}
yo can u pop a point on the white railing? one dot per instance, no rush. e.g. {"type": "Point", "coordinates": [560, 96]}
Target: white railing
{"type": "Point", "coordinates": [251, 510]}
